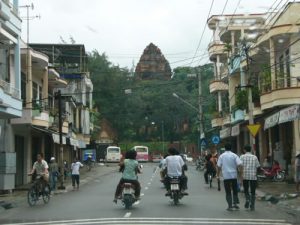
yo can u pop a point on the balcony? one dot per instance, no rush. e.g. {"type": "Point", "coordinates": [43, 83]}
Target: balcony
{"type": "Point", "coordinates": [217, 122]}
{"type": "Point", "coordinates": [283, 91]}
{"type": "Point", "coordinates": [226, 119]}
{"type": "Point", "coordinates": [9, 14]}
{"type": "Point", "coordinates": [216, 48]}
{"type": "Point", "coordinates": [217, 85]}
{"type": "Point", "coordinates": [10, 104]}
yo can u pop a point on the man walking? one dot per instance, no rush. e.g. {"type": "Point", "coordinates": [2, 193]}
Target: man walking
{"type": "Point", "coordinates": [250, 166]}
{"type": "Point", "coordinates": [75, 172]}
{"type": "Point", "coordinates": [229, 163]}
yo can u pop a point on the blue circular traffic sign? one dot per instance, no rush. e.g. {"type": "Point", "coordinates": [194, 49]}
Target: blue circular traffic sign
{"type": "Point", "coordinates": [215, 139]}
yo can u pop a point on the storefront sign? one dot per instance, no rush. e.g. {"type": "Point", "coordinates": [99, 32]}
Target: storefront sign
{"type": "Point", "coordinates": [56, 139]}
{"type": "Point", "coordinates": [224, 133]}
{"type": "Point", "coordinates": [289, 114]}
{"type": "Point", "coordinates": [74, 142]}
{"type": "Point", "coordinates": [235, 130]}
{"type": "Point", "coordinates": [271, 121]}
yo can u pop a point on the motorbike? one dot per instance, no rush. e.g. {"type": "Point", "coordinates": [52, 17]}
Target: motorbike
{"type": "Point", "coordinates": [175, 189]}
{"type": "Point", "coordinates": [275, 175]}
{"type": "Point", "coordinates": [200, 165]}
{"type": "Point", "coordinates": [128, 198]}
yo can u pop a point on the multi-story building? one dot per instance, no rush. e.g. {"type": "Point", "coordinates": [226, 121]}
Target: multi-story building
{"type": "Point", "coordinates": [228, 31]}
{"type": "Point", "coordinates": [10, 86]}
{"type": "Point", "coordinates": [263, 57]}
{"type": "Point", "coordinates": [70, 60]}
{"type": "Point", "coordinates": [275, 64]}
{"type": "Point", "coordinates": [31, 131]}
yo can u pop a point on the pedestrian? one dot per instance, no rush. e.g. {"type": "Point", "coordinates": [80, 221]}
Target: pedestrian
{"type": "Point", "coordinates": [75, 167]}
{"type": "Point", "coordinates": [250, 167]}
{"type": "Point", "coordinates": [297, 172]}
{"type": "Point", "coordinates": [54, 174]}
{"type": "Point", "coordinates": [230, 164]}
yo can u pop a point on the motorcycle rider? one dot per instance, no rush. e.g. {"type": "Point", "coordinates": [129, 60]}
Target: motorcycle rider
{"type": "Point", "coordinates": [129, 167]}
{"type": "Point", "coordinates": [175, 168]}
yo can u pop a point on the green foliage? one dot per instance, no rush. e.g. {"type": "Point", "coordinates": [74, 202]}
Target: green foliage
{"type": "Point", "coordinates": [241, 101]}
{"type": "Point", "coordinates": [149, 108]}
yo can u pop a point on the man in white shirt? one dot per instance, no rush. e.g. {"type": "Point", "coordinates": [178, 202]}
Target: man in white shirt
{"type": "Point", "coordinates": [75, 173]}
{"type": "Point", "coordinates": [175, 164]}
{"type": "Point", "coordinates": [229, 163]}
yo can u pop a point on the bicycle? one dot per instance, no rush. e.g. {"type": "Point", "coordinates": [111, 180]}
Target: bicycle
{"type": "Point", "coordinates": [38, 188]}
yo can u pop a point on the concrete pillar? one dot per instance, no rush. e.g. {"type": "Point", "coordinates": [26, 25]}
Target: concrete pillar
{"type": "Point", "coordinates": [29, 94]}
{"type": "Point", "coordinates": [272, 62]}
{"type": "Point", "coordinates": [219, 101]}
{"type": "Point", "coordinates": [232, 43]}
{"type": "Point", "coordinates": [45, 86]}
{"type": "Point", "coordinates": [17, 63]}
{"type": "Point", "coordinates": [218, 67]}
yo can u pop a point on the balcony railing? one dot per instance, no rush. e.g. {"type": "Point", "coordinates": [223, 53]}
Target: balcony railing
{"type": "Point", "coordinates": [279, 83]}
{"type": "Point", "coordinates": [8, 89]}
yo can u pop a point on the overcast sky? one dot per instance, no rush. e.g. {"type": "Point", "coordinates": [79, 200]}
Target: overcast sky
{"type": "Point", "coordinates": [123, 28]}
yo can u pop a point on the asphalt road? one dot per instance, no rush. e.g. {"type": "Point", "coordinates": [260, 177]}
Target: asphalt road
{"type": "Point", "coordinates": [92, 204]}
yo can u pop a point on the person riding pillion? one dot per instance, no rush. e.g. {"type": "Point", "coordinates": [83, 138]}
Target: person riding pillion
{"type": "Point", "coordinates": [175, 168]}
{"type": "Point", "coordinates": [130, 168]}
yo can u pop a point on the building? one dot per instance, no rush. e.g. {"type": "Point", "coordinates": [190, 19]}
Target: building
{"type": "Point", "coordinates": [266, 60]}
{"type": "Point", "coordinates": [70, 61]}
{"type": "Point", "coordinates": [224, 52]}
{"type": "Point", "coordinates": [32, 131]}
{"type": "Point", "coordinates": [10, 89]}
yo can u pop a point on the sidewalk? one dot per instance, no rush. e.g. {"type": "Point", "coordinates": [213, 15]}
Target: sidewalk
{"type": "Point", "coordinates": [19, 196]}
{"type": "Point", "coordinates": [280, 193]}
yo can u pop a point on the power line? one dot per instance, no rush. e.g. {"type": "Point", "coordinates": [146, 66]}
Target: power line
{"type": "Point", "coordinates": [199, 43]}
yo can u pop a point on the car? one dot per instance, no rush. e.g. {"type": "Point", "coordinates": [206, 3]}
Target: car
{"type": "Point", "coordinates": [188, 158]}
{"type": "Point", "coordinates": [156, 158]}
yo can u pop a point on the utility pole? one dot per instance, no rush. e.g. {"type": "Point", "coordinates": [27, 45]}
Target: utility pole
{"type": "Point", "coordinates": [61, 149]}
{"type": "Point", "coordinates": [201, 132]}
{"type": "Point", "coordinates": [250, 100]}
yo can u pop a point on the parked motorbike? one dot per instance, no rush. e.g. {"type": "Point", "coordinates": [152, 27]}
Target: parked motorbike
{"type": "Point", "coordinates": [175, 189]}
{"type": "Point", "coordinates": [128, 197]}
{"type": "Point", "coordinates": [275, 175]}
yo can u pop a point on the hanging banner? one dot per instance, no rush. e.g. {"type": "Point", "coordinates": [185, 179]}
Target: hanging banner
{"type": "Point", "coordinates": [224, 133]}
{"type": "Point", "coordinates": [271, 121]}
{"type": "Point", "coordinates": [235, 130]}
{"type": "Point", "coordinates": [289, 114]}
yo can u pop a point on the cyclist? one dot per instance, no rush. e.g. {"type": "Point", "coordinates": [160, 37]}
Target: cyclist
{"type": "Point", "coordinates": [210, 167]}
{"type": "Point", "coordinates": [40, 169]}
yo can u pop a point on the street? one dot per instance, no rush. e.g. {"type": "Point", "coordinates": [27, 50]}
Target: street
{"type": "Point", "coordinates": [92, 204]}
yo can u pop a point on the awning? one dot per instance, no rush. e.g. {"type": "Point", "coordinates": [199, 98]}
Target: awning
{"type": "Point", "coordinates": [289, 114]}
{"type": "Point", "coordinates": [225, 133]}
{"type": "Point", "coordinates": [285, 115]}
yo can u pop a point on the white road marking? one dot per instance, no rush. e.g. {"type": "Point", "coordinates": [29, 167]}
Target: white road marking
{"type": "Point", "coordinates": [146, 188]}
{"type": "Point", "coordinates": [127, 220]}
{"type": "Point", "coordinates": [149, 183]}
{"type": "Point", "coordinates": [136, 203]}
{"type": "Point", "coordinates": [142, 194]}
{"type": "Point", "coordinates": [127, 215]}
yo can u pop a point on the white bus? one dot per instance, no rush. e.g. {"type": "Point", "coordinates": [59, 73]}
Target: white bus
{"type": "Point", "coordinates": [142, 153]}
{"type": "Point", "coordinates": [113, 154]}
